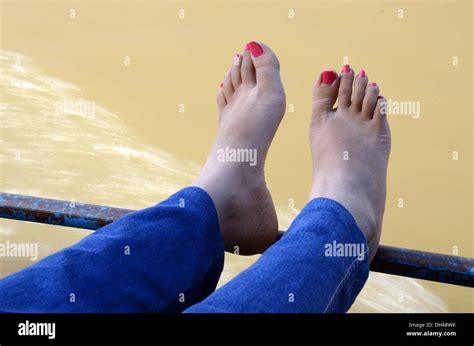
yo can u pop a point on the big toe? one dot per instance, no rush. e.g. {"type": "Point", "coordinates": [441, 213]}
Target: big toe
{"type": "Point", "coordinates": [265, 61]}
{"type": "Point", "coordinates": [325, 93]}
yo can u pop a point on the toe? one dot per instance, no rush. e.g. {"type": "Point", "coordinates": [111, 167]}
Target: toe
{"type": "Point", "coordinates": [345, 87]}
{"type": "Point", "coordinates": [370, 100]}
{"type": "Point", "coordinates": [235, 74]}
{"type": "Point", "coordinates": [221, 102]}
{"type": "Point", "coordinates": [247, 69]}
{"type": "Point", "coordinates": [266, 63]}
{"type": "Point", "coordinates": [380, 112]}
{"type": "Point", "coordinates": [227, 87]}
{"type": "Point", "coordinates": [381, 122]}
{"type": "Point", "coordinates": [359, 91]}
{"type": "Point", "coordinates": [325, 92]}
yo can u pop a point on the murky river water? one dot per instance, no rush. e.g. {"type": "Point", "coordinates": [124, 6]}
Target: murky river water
{"type": "Point", "coordinates": [113, 103]}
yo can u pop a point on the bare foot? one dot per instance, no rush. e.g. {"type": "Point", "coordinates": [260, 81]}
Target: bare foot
{"type": "Point", "coordinates": [251, 105]}
{"type": "Point", "coordinates": [350, 146]}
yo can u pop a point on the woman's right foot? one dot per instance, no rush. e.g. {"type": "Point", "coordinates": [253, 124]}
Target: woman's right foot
{"type": "Point", "coordinates": [350, 146]}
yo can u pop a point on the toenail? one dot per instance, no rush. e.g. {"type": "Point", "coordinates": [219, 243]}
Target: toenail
{"type": "Point", "coordinates": [221, 85]}
{"type": "Point", "coordinates": [373, 84]}
{"type": "Point", "coordinates": [328, 77]}
{"type": "Point", "coordinates": [255, 49]}
{"type": "Point", "coordinates": [236, 59]}
{"type": "Point", "coordinates": [346, 69]}
{"type": "Point", "coordinates": [361, 74]}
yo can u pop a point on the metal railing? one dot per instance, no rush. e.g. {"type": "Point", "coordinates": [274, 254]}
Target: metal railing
{"type": "Point", "coordinates": [448, 269]}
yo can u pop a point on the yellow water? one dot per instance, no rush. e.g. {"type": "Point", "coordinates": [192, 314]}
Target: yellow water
{"type": "Point", "coordinates": [140, 64]}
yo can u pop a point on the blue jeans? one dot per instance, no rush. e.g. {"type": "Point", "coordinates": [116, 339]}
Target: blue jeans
{"type": "Point", "coordinates": [168, 258]}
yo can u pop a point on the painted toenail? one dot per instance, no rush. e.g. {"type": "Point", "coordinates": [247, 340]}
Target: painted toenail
{"type": "Point", "coordinates": [361, 74]}
{"type": "Point", "coordinates": [328, 77]}
{"type": "Point", "coordinates": [373, 84]}
{"type": "Point", "coordinates": [346, 69]}
{"type": "Point", "coordinates": [255, 49]}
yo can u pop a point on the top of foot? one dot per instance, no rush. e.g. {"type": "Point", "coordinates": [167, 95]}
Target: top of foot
{"type": "Point", "coordinates": [251, 103]}
{"type": "Point", "coordinates": [350, 146]}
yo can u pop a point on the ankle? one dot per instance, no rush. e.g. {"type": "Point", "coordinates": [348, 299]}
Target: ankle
{"type": "Point", "coordinates": [359, 206]}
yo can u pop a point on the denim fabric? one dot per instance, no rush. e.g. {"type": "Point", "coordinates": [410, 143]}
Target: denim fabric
{"type": "Point", "coordinates": [160, 259]}
{"type": "Point", "coordinates": [295, 275]}
{"type": "Point", "coordinates": [170, 256]}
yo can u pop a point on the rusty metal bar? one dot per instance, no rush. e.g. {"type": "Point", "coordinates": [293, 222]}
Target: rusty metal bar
{"type": "Point", "coordinates": [57, 212]}
{"type": "Point", "coordinates": [430, 266]}
{"type": "Point", "coordinates": [390, 260]}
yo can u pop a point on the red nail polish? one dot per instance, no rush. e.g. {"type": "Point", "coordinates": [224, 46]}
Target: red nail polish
{"type": "Point", "coordinates": [346, 69]}
{"type": "Point", "coordinates": [373, 84]}
{"type": "Point", "coordinates": [361, 74]}
{"type": "Point", "coordinates": [328, 77]}
{"type": "Point", "coordinates": [255, 49]}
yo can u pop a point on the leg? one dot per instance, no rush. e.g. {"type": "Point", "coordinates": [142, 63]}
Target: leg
{"type": "Point", "coordinates": [163, 258]}
{"type": "Point", "coordinates": [295, 274]}
{"type": "Point", "coordinates": [321, 264]}
{"type": "Point", "coordinates": [175, 253]}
